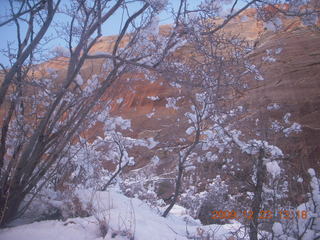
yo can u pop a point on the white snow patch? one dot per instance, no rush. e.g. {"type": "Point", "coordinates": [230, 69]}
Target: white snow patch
{"type": "Point", "coordinates": [153, 98]}
{"type": "Point", "coordinates": [294, 128]}
{"type": "Point", "coordinates": [269, 59]}
{"type": "Point", "coordinates": [79, 80]}
{"type": "Point", "coordinates": [155, 160]}
{"type": "Point", "coordinates": [278, 50]}
{"type": "Point", "coordinates": [92, 85]}
{"type": "Point", "coordinates": [300, 180]}
{"type": "Point", "coordinates": [286, 118]}
{"type": "Point", "coordinates": [175, 85]}
{"type": "Point", "coordinates": [276, 126]}
{"type": "Point", "coordinates": [315, 188]}
{"type": "Point", "coordinates": [273, 168]}
{"type": "Point", "coordinates": [119, 100]}
{"type": "Point", "coordinates": [149, 115]}
{"type": "Point", "coordinates": [151, 143]}
{"type": "Point", "coordinates": [72, 229]}
{"type": "Point", "coordinates": [110, 123]}
{"type": "Point", "coordinates": [178, 210]}
{"type": "Point", "coordinates": [277, 229]}
{"type": "Point", "coordinates": [273, 25]}
{"type": "Point", "coordinates": [273, 106]}
{"type": "Point", "coordinates": [171, 103]}
{"type": "Point", "coordinates": [190, 130]}
{"type": "Point", "coordinates": [253, 69]}
{"type": "Point", "coordinates": [123, 215]}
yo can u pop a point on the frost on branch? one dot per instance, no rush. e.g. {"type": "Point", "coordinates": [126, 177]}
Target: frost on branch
{"type": "Point", "coordinates": [158, 5]}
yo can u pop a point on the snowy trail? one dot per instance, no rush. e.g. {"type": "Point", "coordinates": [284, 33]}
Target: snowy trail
{"type": "Point", "coordinates": [126, 217]}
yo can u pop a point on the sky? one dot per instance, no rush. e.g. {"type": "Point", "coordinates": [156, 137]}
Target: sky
{"type": "Point", "coordinates": [9, 36]}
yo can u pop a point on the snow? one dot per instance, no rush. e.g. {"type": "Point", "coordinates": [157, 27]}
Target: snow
{"type": "Point", "coordinates": [250, 195]}
{"type": "Point", "coordinates": [148, 143]}
{"type": "Point", "coordinates": [278, 50]}
{"type": "Point", "coordinates": [175, 85]}
{"type": "Point", "coordinates": [111, 123]}
{"type": "Point", "coordinates": [253, 69]}
{"type": "Point", "coordinates": [201, 97]}
{"type": "Point", "coordinates": [286, 118]}
{"type": "Point", "coordinates": [178, 210]}
{"type": "Point", "coordinates": [300, 180]}
{"type": "Point", "coordinates": [149, 115]}
{"type": "Point", "coordinates": [155, 160]}
{"type": "Point", "coordinates": [192, 118]}
{"type": "Point", "coordinates": [124, 218]}
{"type": "Point", "coordinates": [315, 189]}
{"type": "Point", "coordinates": [294, 128]}
{"type": "Point", "coordinates": [77, 229]}
{"type": "Point", "coordinates": [79, 80]}
{"type": "Point", "coordinates": [273, 168]}
{"type": "Point", "coordinates": [273, 25]}
{"type": "Point", "coordinates": [153, 98]}
{"type": "Point", "coordinates": [119, 100]}
{"type": "Point", "coordinates": [92, 85]}
{"type": "Point", "coordinates": [270, 55]}
{"type": "Point", "coordinates": [269, 59]}
{"type": "Point", "coordinates": [276, 126]}
{"type": "Point", "coordinates": [277, 229]}
{"type": "Point", "coordinates": [190, 130]}
{"type": "Point", "coordinates": [273, 106]}
{"type": "Point", "coordinates": [252, 146]}
{"type": "Point", "coordinates": [171, 103]}
{"type": "Point", "coordinates": [190, 168]}
{"type": "Point", "coordinates": [211, 157]}
{"type": "Point", "coordinates": [311, 172]}
{"type": "Point", "coordinates": [151, 143]}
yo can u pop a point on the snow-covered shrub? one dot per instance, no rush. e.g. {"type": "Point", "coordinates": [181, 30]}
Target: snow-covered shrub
{"type": "Point", "coordinates": [43, 207]}
{"type": "Point", "coordinates": [56, 205]}
{"type": "Point", "coordinates": [83, 167]}
{"type": "Point", "coordinates": [140, 186]}
{"type": "Point", "coordinates": [214, 198]}
{"type": "Point", "coordinates": [303, 221]}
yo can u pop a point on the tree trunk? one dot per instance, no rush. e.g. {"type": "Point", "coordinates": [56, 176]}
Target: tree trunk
{"type": "Point", "coordinates": [9, 205]}
{"type": "Point", "coordinates": [257, 198]}
{"type": "Point", "coordinates": [176, 192]}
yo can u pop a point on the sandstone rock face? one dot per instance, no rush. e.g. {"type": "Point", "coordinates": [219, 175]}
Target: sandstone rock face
{"type": "Point", "coordinates": [292, 83]}
{"type": "Point", "coordinates": [286, 97]}
{"type": "Point", "coordinates": [289, 61]}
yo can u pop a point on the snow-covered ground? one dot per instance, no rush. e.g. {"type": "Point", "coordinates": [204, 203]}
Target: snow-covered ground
{"type": "Point", "coordinates": [125, 218]}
